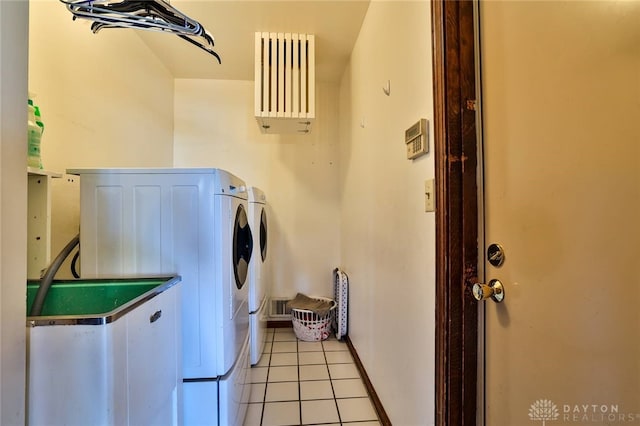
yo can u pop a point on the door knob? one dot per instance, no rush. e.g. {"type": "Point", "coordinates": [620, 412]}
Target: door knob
{"type": "Point", "coordinates": [494, 291]}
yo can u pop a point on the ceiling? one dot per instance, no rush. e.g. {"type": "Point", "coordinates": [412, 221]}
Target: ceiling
{"type": "Point", "coordinates": [233, 24]}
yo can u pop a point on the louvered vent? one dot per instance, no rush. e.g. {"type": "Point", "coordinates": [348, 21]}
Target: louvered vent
{"type": "Point", "coordinates": [279, 309]}
{"type": "Point", "coordinates": [285, 82]}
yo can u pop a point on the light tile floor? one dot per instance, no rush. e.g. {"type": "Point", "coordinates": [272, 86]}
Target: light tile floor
{"type": "Point", "coordinates": [307, 383]}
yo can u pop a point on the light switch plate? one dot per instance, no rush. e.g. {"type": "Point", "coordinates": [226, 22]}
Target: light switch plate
{"type": "Point", "coordinates": [429, 196]}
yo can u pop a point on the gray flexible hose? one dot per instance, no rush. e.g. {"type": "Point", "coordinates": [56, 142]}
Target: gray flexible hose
{"type": "Point", "coordinates": [47, 278]}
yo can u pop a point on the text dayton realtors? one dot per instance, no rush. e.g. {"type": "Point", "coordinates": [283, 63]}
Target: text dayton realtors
{"type": "Point", "coordinates": [596, 413]}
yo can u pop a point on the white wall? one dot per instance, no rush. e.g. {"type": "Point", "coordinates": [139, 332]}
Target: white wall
{"type": "Point", "coordinates": [388, 241]}
{"type": "Point", "coordinates": [215, 127]}
{"type": "Point", "coordinates": [13, 209]}
{"type": "Point", "coordinates": [106, 101]}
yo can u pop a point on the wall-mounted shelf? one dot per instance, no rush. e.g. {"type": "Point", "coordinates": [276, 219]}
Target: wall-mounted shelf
{"type": "Point", "coordinates": [39, 220]}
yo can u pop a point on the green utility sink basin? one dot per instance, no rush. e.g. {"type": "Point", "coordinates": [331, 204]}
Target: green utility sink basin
{"type": "Point", "coordinates": [93, 301]}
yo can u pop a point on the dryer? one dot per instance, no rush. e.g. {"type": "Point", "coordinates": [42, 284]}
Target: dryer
{"type": "Point", "coordinates": [191, 222]}
{"type": "Point", "coordinates": [259, 283]}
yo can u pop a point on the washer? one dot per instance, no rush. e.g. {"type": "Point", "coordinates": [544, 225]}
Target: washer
{"type": "Point", "coordinates": [192, 222]}
{"type": "Point", "coordinates": [259, 275]}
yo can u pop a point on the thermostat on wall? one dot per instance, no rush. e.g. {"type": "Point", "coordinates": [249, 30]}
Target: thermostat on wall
{"type": "Point", "coordinates": [417, 139]}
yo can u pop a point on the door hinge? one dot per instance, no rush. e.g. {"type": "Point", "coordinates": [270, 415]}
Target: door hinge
{"type": "Point", "coordinates": [471, 104]}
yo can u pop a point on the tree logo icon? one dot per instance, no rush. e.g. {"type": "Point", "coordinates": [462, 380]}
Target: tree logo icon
{"type": "Point", "coordinates": [543, 410]}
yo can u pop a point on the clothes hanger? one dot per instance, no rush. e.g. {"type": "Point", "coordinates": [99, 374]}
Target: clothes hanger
{"type": "Point", "coordinates": [141, 18]}
{"type": "Point", "coordinates": [200, 45]}
{"type": "Point", "coordinates": [154, 15]}
{"type": "Point", "coordinates": [97, 26]}
{"type": "Point", "coordinates": [156, 9]}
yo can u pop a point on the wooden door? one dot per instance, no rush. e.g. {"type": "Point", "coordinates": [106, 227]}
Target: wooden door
{"type": "Point", "coordinates": [561, 138]}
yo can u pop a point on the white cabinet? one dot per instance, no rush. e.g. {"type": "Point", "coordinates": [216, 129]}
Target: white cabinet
{"type": "Point", "coordinates": [121, 370]}
{"type": "Point", "coordinates": [38, 220]}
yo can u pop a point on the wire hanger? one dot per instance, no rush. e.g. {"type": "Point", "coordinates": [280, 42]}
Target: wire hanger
{"type": "Point", "coordinates": [152, 15]}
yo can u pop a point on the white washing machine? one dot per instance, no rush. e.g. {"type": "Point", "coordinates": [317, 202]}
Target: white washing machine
{"type": "Point", "coordinates": [192, 222]}
{"type": "Point", "coordinates": [259, 274]}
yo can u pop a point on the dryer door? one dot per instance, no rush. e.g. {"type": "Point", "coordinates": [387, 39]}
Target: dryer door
{"type": "Point", "coordinates": [242, 246]}
{"type": "Point", "coordinates": [263, 234]}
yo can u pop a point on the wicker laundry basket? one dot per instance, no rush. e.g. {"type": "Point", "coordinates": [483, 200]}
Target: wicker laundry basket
{"type": "Point", "coordinates": [311, 326]}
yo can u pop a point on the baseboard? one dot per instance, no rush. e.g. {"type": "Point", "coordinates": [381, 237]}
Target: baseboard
{"type": "Point", "coordinates": [279, 324]}
{"type": "Point", "coordinates": [382, 415]}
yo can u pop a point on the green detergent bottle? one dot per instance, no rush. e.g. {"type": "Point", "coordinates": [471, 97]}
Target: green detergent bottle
{"type": "Point", "coordinates": [35, 127]}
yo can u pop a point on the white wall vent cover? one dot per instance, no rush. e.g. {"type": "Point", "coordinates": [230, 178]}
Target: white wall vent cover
{"type": "Point", "coordinates": [278, 308]}
{"type": "Point", "coordinates": [285, 82]}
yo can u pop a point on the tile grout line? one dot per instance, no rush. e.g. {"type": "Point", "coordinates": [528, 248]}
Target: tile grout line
{"type": "Point", "coordinates": [333, 391]}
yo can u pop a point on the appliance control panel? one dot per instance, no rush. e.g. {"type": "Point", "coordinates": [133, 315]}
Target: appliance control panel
{"type": "Point", "coordinates": [416, 138]}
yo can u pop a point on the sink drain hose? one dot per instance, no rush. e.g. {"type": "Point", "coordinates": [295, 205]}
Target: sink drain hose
{"type": "Point", "coordinates": [47, 278]}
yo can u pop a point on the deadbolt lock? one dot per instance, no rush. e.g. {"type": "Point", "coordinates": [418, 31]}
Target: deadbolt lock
{"type": "Point", "coordinates": [495, 255]}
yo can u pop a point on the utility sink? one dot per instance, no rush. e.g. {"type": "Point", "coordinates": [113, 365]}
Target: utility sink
{"type": "Point", "coordinates": [93, 301]}
{"type": "Point", "coordinates": [105, 352]}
